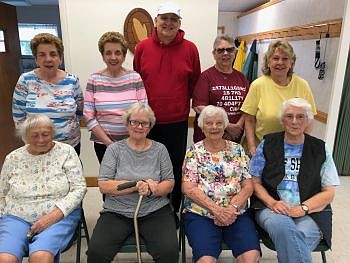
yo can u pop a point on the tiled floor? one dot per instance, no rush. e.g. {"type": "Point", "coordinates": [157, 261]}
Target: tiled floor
{"type": "Point", "coordinates": [341, 231]}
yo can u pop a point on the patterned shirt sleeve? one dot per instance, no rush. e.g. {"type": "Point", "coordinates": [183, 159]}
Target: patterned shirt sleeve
{"type": "Point", "coordinates": [77, 188]}
{"type": "Point", "coordinates": [140, 89]}
{"type": "Point", "coordinates": [4, 186]}
{"type": "Point", "coordinates": [19, 101]}
{"type": "Point", "coordinates": [257, 163]}
{"type": "Point", "coordinates": [79, 98]}
{"type": "Point", "coordinates": [89, 105]}
{"type": "Point", "coordinates": [108, 167]}
{"type": "Point", "coordinates": [244, 164]}
{"type": "Point", "coordinates": [166, 167]}
{"type": "Point", "coordinates": [190, 173]}
{"type": "Point", "coordinates": [329, 174]}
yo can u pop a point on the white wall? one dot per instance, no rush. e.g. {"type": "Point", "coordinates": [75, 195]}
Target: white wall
{"type": "Point", "coordinates": [84, 21]}
{"type": "Point", "coordinates": [298, 12]}
{"type": "Point", "coordinates": [230, 21]}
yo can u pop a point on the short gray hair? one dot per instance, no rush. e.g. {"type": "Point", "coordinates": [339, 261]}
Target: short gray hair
{"type": "Point", "coordinates": [138, 107]}
{"type": "Point", "coordinates": [298, 103]}
{"type": "Point", "coordinates": [226, 38]}
{"type": "Point", "coordinates": [210, 111]}
{"type": "Point", "coordinates": [32, 122]}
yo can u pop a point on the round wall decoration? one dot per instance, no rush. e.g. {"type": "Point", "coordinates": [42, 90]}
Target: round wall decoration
{"type": "Point", "coordinates": [138, 25]}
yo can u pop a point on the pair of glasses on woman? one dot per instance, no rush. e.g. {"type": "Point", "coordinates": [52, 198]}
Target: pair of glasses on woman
{"type": "Point", "coordinates": [298, 117]}
{"type": "Point", "coordinates": [144, 124]}
{"type": "Point", "coordinates": [222, 50]}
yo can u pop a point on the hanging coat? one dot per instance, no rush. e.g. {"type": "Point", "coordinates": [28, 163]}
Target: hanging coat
{"type": "Point", "coordinates": [240, 57]}
{"type": "Point", "coordinates": [250, 68]}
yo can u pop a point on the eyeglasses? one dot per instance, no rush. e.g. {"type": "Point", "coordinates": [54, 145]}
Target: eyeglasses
{"type": "Point", "coordinates": [218, 124]}
{"type": "Point", "coordinates": [222, 50]}
{"type": "Point", "coordinates": [298, 117]}
{"type": "Point", "coordinates": [144, 124]}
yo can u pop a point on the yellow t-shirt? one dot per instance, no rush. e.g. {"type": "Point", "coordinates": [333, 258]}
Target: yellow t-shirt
{"type": "Point", "coordinates": [265, 98]}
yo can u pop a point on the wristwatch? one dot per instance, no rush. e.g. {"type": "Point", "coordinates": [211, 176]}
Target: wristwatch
{"type": "Point", "coordinates": [305, 208]}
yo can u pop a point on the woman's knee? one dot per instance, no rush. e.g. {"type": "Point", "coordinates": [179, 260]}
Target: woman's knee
{"type": "Point", "coordinates": [98, 254]}
{"type": "Point", "coordinates": [273, 222]}
{"type": "Point", "coordinates": [251, 256]}
{"type": "Point", "coordinates": [168, 255]}
{"type": "Point", "coordinates": [206, 259]}
{"type": "Point", "coordinates": [41, 256]}
{"type": "Point", "coordinates": [8, 258]}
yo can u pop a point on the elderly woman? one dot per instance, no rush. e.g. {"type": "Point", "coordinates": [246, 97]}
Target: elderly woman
{"type": "Point", "coordinates": [41, 188]}
{"type": "Point", "coordinates": [51, 91]}
{"type": "Point", "coordinates": [140, 159]}
{"type": "Point", "coordinates": [223, 86]}
{"type": "Point", "coordinates": [267, 93]}
{"type": "Point", "coordinates": [294, 179]}
{"type": "Point", "coordinates": [216, 184]}
{"type": "Point", "coordinates": [109, 93]}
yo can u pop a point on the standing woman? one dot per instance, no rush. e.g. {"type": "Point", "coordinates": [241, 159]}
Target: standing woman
{"type": "Point", "coordinates": [51, 91]}
{"type": "Point", "coordinates": [109, 93]}
{"type": "Point", "coordinates": [267, 93]}
{"type": "Point", "coordinates": [222, 86]}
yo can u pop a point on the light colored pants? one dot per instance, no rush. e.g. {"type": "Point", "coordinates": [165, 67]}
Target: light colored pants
{"type": "Point", "coordinates": [294, 238]}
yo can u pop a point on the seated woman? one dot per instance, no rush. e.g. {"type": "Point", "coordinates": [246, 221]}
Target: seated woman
{"type": "Point", "coordinates": [216, 184]}
{"type": "Point", "coordinates": [41, 188]}
{"type": "Point", "coordinates": [136, 158]}
{"type": "Point", "coordinates": [294, 179]}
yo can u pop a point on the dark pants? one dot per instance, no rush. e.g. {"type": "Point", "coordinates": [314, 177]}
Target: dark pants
{"type": "Point", "coordinates": [77, 148]}
{"type": "Point", "coordinates": [157, 230]}
{"type": "Point", "coordinates": [100, 150]}
{"type": "Point", "coordinates": [174, 137]}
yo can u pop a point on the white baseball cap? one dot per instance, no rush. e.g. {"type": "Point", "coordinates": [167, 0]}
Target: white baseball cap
{"type": "Point", "coordinates": [169, 7]}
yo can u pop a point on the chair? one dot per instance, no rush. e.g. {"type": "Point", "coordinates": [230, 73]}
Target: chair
{"type": "Point", "coordinates": [266, 240]}
{"type": "Point", "coordinates": [82, 226]}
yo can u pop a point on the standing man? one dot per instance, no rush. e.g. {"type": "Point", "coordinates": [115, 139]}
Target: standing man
{"type": "Point", "coordinates": [169, 66]}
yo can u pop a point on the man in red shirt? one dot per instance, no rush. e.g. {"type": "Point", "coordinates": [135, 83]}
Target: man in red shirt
{"type": "Point", "coordinates": [169, 66]}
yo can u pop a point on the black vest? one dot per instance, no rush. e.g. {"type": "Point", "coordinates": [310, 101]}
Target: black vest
{"type": "Point", "coordinates": [309, 179]}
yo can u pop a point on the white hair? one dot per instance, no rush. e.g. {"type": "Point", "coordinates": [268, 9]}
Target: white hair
{"type": "Point", "coordinates": [298, 103]}
{"type": "Point", "coordinates": [32, 122]}
{"type": "Point", "coordinates": [210, 111]}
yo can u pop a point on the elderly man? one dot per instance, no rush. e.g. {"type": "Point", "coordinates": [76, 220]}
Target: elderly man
{"type": "Point", "coordinates": [169, 66]}
{"type": "Point", "coordinates": [294, 180]}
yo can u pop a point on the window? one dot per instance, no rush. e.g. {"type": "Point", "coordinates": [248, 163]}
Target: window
{"type": "Point", "coordinates": [2, 41]}
{"type": "Point", "coordinates": [28, 31]}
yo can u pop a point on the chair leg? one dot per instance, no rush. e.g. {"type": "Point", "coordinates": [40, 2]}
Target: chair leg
{"type": "Point", "coordinates": [82, 227]}
{"type": "Point", "coordinates": [85, 228]}
{"type": "Point", "coordinates": [77, 257]}
{"type": "Point", "coordinates": [324, 259]}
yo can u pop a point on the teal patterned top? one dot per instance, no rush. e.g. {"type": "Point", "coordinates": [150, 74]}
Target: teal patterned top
{"type": "Point", "coordinates": [219, 175]}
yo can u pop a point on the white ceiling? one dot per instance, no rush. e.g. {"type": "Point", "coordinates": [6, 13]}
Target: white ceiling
{"type": "Point", "coordinates": [224, 5]}
{"type": "Point", "coordinates": [239, 5]}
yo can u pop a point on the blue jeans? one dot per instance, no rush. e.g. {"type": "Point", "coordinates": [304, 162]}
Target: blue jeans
{"type": "Point", "coordinates": [294, 238]}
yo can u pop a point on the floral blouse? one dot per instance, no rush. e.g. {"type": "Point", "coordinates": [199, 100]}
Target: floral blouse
{"type": "Point", "coordinates": [219, 175]}
{"type": "Point", "coordinates": [32, 185]}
